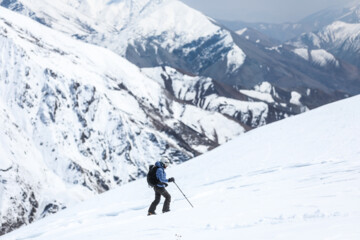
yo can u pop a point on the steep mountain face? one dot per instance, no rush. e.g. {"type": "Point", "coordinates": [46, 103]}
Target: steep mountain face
{"type": "Point", "coordinates": [332, 52]}
{"type": "Point", "coordinates": [252, 108]}
{"type": "Point", "coordinates": [147, 32]}
{"type": "Point", "coordinates": [288, 71]}
{"type": "Point", "coordinates": [78, 120]}
{"type": "Point", "coordinates": [339, 39]}
{"type": "Point", "coordinates": [168, 33]}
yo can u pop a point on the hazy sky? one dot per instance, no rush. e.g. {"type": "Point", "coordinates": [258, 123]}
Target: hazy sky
{"type": "Point", "coordinates": [275, 11]}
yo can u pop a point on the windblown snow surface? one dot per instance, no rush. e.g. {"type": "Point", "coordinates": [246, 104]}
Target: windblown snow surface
{"type": "Point", "coordinates": [294, 179]}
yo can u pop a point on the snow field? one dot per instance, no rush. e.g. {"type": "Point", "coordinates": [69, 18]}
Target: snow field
{"type": "Point", "coordinates": [294, 179]}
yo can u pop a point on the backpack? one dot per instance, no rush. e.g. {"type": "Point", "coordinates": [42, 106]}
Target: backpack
{"type": "Point", "coordinates": [151, 176]}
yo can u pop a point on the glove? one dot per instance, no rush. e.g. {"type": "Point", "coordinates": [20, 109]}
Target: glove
{"type": "Point", "coordinates": [171, 179]}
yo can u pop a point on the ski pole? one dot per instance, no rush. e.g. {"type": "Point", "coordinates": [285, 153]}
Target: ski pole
{"type": "Point", "coordinates": [183, 194]}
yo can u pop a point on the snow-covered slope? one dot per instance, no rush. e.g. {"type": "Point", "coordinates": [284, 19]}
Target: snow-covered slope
{"type": "Point", "coordinates": [334, 35]}
{"type": "Point", "coordinates": [318, 57]}
{"type": "Point", "coordinates": [339, 38]}
{"type": "Point", "coordinates": [78, 120]}
{"type": "Point", "coordinates": [146, 32]}
{"type": "Point", "coordinates": [207, 94]}
{"type": "Point", "coordinates": [295, 179]}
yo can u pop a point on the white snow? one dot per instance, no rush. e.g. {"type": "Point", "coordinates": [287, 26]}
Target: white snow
{"type": "Point", "coordinates": [322, 57]}
{"type": "Point", "coordinates": [208, 122]}
{"type": "Point", "coordinates": [119, 23]}
{"type": "Point", "coordinates": [302, 52]}
{"type": "Point", "coordinates": [308, 92]}
{"type": "Point", "coordinates": [264, 87]}
{"type": "Point", "coordinates": [241, 31]}
{"type": "Point", "coordinates": [190, 88]}
{"type": "Point", "coordinates": [316, 41]}
{"type": "Point", "coordinates": [235, 58]}
{"type": "Point", "coordinates": [231, 107]}
{"type": "Point", "coordinates": [116, 25]}
{"type": "Point", "coordinates": [295, 179]}
{"type": "Point", "coordinates": [183, 85]}
{"type": "Point", "coordinates": [341, 32]}
{"type": "Point", "coordinates": [339, 35]}
{"type": "Point", "coordinates": [318, 56]}
{"type": "Point", "coordinates": [276, 48]}
{"type": "Point", "coordinates": [261, 92]}
{"type": "Point", "coordinates": [295, 98]}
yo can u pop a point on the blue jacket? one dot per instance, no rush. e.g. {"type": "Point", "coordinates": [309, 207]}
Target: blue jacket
{"type": "Point", "coordinates": [160, 174]}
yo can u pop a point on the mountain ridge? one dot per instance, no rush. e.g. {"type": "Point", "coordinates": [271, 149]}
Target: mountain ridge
{"type": "Point", "coordinates": [339, 38]}
{"type": "Point", "coordinates": [348, 13]}
{"type": "Point", "coordinates": [204, 48]}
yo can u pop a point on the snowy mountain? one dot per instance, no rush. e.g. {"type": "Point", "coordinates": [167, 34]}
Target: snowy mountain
{"type": "Point", "coordinates": [79, 119]}
{"type": "Point", "coordinates": [328, 41]}
{"type": "Point", "coordinates": [141, 31]}
{"type": "Point", "coordinates": [287, 70]}
{"type": "Point", "coordinates": [348, 13]}
{"type": "Point", "coordinates": [248, 107]}
{"type": "Point", "coordinates": [153, 33]}
{"type": "Point", "coordinates": [338, 39]}
{"type": "Point", "coordinates": [337, 36]}
{"type": "Point", "coordinates": [295, 179]}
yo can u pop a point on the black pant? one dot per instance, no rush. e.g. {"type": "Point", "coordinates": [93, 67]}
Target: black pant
{"type": "Point", "coordinates": [160, 191]}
